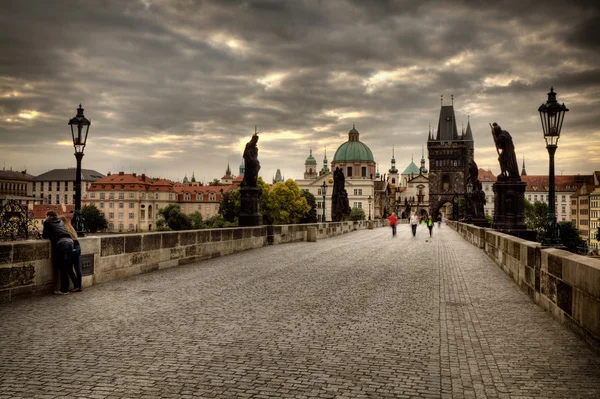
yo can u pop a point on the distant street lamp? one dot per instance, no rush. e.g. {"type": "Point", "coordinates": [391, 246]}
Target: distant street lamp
{"type": "Point", "coordinates": [469, 202]}
{"type": "Point", "coordinates": [80, 127]}
{"type": "Point", "coordinates": [324, 192]}
{"type": "Point", "coordinates": [370, 199]}
{"type": "Point", "coordinates": [552, 115]}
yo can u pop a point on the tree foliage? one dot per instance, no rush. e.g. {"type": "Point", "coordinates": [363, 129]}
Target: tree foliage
{"type": "Point", "coordinates": [215, 182]}
{"type": "Point", "coordinates": [286, 203]}
{"type": "Point", "coordinates": [217, 222]}
{"type": "Point", "coordinates": [357, 214]}
{"type": "Point", "coordinates": [174, 218]}
{"type": "Point", "coordinates": [93, 218]}
{"type": "Point", "coordinates": [196, 220]}
{"type": "Point", "coordinates": [311, 216]}
{"type": "Point", "coordinates": [570, 236]}
{"type": "Point", "coordinates": [229, 207]}
{"type": "Point", "coordinates": [536, 215]}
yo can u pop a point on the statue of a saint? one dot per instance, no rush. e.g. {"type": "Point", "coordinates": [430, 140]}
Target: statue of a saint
{"type": "Point", "coordinates": [251, 163]}
{"type": "Point", "coordinates": [509, 168]}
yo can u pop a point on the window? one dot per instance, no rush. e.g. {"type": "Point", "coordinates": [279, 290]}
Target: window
{"type": "Point", "coordinates": [358, 205]}
{"type": "Point", "coordinates": [101, 195]}
{"type": "Point", "coordinates": [363, 171]}
{"type": "Point", "coordinates": [445, 182]}
{"type": "Point", "coordinates": [563, 198]}
{"type": "Point", "coordinates": [66, 198]}
{"type": "Point", "coordinates": [170, 196]}
{"type": "Point", "coordinates": [131, 195]}
{"type": "Point", "coordinates": [111, 205]}
{"type": "Point", "coordinates": [131, 216]}
{"type": "Point", "coordinates": [131, 226]}
{"type": "Point", "coordinates": [155, 195]}
{"type": "Point", "coordinates": [349, 169]}
{"type": "Point", "coordinates": [120, 216]}
{"type": "Point", "coordinates": [102, 205]}
{"type": "Point", "coordinates": [142, 196]}
{"type": "Point", "coordinates": [121, 195]}
{"type": "Point", "coordinates": [111, 195]}
{"type": "Point", "coordinates": [111, 226]}
{"type": "Point", "coordinates": [186, 196]}
{"type": "Point", "coordinates": [92, 195]}
{"type": "Point", "coordinates": [120, 226]}
{"type": "Point", "coordinates": [319, 192]}
{"type": "Point", "coordinates": [212, 197]}
{"type": "Point", "coordinates": [121, 205]}
{"type": "Point", "coordinates": [58, 198]}
{"type": "Point", "coordinates": [199, 207]}
{"type": "Point", "coordinates": [207, 207]}
{"type": "Point", "coordinates": [111, 215]}
{"type": "Point", "coordinates": [319, 204]}
{"type": "Point", "coordinates": [34, 184]}
{"type": "Point", "coordinates": [358, 191]}
{"type": "Point", "coordinates": [131, 205]}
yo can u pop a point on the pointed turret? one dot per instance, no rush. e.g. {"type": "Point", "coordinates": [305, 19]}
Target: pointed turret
{"type": "Point", "coordinates": [185, 182]}
{"type": "Point", "coordinates": [393, 168]}
{"type": "Point", "coordinates": [523, 171]}
{"type": "Point", "coordinates": [325, 168]}
{"type": "Point", "coordinates": [277, 177]}
{"type": "Point", "coordinates": [446, 130]}
{"type": "Point", "coordinates": [377, 175]}
{"type": "Point", "coordinates": [423, 170]}
{"type": "Point", "coordinates": [242, 168]}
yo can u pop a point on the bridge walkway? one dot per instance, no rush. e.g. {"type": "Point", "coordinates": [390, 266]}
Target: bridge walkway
{"type": "Point", "coordinates": [353, 316]}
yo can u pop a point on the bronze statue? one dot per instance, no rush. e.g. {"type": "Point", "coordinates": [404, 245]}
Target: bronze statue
{"type": "Point", "coordinates": [251, 163]}
{"type": "Point", "coordinates": [478, 200]}
{"type": "Point", "coordinates": [509, 168]}
{"type": "Point", "coordinates": [340, 206]}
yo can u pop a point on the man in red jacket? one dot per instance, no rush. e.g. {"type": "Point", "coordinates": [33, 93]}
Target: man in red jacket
{"type": "Point", "coordinates": [393, 221]}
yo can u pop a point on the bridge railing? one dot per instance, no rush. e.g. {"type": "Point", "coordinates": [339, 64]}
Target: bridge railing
{"type": "Point", "coordinates": [565, 284]}
{"type": "Point", "coordinates": [26, 268]}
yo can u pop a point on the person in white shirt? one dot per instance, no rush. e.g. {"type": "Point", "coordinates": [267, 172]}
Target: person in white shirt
{"type": "Point", "coordinates": [414, 221]}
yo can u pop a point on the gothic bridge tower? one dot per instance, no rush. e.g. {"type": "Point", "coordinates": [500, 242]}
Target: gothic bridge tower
{"type": "Point", "coordinates": [449, 156]}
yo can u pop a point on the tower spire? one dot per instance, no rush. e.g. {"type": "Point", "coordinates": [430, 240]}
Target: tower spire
{"type": "Point", "coordinates": [523, 171]}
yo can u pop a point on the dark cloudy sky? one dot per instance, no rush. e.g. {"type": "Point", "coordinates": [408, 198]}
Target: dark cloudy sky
{"type": "Point", "coordinates": [176, 86]}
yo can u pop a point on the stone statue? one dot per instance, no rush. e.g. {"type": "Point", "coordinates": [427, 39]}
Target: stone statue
{"type": "Point", "coordinates": [251, 163]}
{"type": "Point", "coordinates": [509, 168]}
{"type": "Point", "coordinates": [340, 206]}
{"type": "Point", "coordinates": [477, 195]}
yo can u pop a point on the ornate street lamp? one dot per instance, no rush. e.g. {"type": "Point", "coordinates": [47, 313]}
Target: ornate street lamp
{"type": "Point", "coordinates": [324, 192]}
{"type": "Point", "coordinates": [370, 199]}
{"type": "Point", "coordinates": [80, 127]}
{"type": "Point", "coordinates": [469, 203]}
{"type": "Point", "coordinates": [552, 115]}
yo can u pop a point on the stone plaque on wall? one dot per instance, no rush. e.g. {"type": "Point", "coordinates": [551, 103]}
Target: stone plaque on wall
{"type": "Point", "coordinates": [87, 265]}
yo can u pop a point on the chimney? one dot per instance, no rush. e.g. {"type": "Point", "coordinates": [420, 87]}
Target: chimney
{"type": "Point", "coordinates": [121, 173]}
{"type": "Point", "coordinates": [143, 177]}
{"type": "Point", "coordinates": [108, 174]}
{"type": "Point", "coordinates": [134, 174]}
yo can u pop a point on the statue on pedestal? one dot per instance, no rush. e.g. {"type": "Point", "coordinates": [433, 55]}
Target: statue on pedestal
{"type": "Point", "coordinates": [250, 193]}
{"type": "Point", "coordinates": [251, 163]}
{"type": "Point", "coordinates": [509, 168]}
{"type": "Point", "coordinates": [340, 206]}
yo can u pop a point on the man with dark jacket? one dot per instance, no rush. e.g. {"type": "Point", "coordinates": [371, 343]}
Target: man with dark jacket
{"type": "Point", "coordinates": [62, 248]}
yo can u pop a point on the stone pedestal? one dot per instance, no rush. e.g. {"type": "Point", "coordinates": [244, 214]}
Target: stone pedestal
{"type": "Point", "coordinates": [509, 209]}
{"type": "Point", "coordinates": [481, 222]}
{"type": "Point", "coordinates": [370, 225]}
{"type": "Point", "coordinates": [250, 207]}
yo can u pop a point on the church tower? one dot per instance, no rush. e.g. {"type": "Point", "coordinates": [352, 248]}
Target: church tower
{"type": "Point", "coordinates": [310, 167]}
{"type": "Point", "coordinates": [325, 168]}
{"type": "Point", "coordinates": [449, 156]}
{"type": "Point", "coordinates": [393, 176]}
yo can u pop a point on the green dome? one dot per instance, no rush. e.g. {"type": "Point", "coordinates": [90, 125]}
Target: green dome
{"type": "Point", "coordinates": [353, 151]}
{"type": "Point", "coordinates": [310, 160]}
{"type": "Point", "coordinates": [411, 169]}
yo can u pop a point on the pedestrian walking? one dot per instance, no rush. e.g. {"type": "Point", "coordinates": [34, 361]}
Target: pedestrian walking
{"type": "Point", "coordinates": [62, 248]}
{"type": "Point", "coordinates": [430, 225]}
{"type": "Point", "coordinates": [76, 256]}
{"type": "Point", "coordinates": [393, 223]}
{"type": "Point", "coordinates": [414, 221]}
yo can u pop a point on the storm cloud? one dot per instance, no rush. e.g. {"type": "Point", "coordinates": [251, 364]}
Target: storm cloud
{"type": "Point", "coordinates": [177, 87]}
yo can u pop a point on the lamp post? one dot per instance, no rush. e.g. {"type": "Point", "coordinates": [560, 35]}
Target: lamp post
{"type": "Point", "coordinates": [80, 127]}
{"type": "Point", "coordinates": [469, 203]}
{"type": "Point", "coordinates": [552, 115]}
{"type": "Point", "coordinates": [324, 192]}
{"type": "Point", "coordinates": [370, 199]}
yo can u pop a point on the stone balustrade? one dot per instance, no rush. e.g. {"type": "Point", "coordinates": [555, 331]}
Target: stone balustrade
{"type": "Point", "coordinates": [26, 269]}
{"type": "Point", "coordinates": [565, 284]}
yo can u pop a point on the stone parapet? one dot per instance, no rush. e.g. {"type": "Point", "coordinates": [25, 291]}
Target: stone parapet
{"type": "Point", "coordinates": [567, 285]}
{"type": "Point", "coordinates": [26, 268]}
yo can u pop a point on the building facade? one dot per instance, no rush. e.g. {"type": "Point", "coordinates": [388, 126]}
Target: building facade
{"type": "Point", "coordinates": [58, 185]}
{"type": "Point", "coordinates": [14, 185]}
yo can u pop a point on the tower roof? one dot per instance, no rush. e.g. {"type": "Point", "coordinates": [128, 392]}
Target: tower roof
{"type": "Point", "coordinates": [411, 169]}
{"type": "Point", "coordinates": [447, 124]}
{"type": "Point", "coordinates": [353, 149]}
{"type": "Point", "coordinates": [310, 160]}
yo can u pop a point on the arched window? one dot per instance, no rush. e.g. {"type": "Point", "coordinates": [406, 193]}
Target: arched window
{"type": "Point", "coordinates": [211, 197]}
{"type": "Point", "coordinates": [199, 197]}
{"type": "Point", "coordinates": [186, 196]}
{"type": "Point", "coordinates": [393, 180]}
{"type": "Point", "coordinates": [363, 171]}
{"type": "Point", "coordinates": [445, 182]}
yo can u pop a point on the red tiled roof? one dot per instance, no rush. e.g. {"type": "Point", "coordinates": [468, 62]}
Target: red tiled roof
{"type": "Point", "coordinates": [563, 183]}
{"type": "Point", "coordinates": [39, 210]}
{"type": "Point", "coordinates": [483, 174]}
{"type": "Point", "coordinates": [131, 182]}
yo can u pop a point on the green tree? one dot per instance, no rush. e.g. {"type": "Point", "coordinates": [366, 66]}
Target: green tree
{"type": "Point", "coordinates": [265, 201]}
{"type": "Point", "coordinates": [286, 203]}
{"type": "Point", "coordinates": [536, 215]}
{"type": "Point", "coordinates": [217, 222]}
{"type": "Point", "coordinates": [175, 218]}
{"type": "Point", "coordinates": [357, 214]}
{"type": "Point", "coordinates": [94, 219]}
{"type": "Point", "coordinates": [311, 216]}
{"type": "Point", "coordinates": [196, 220]}
{"type": "Point", "coordinates": [215, 182]}
{"type": "Point", "coordinates": [229, 207]}
{"type": "Point", "coordinates": [570, 236]}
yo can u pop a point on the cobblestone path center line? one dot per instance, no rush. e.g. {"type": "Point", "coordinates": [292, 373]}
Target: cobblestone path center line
{"type": "Point", "coordinates": [358, 315]}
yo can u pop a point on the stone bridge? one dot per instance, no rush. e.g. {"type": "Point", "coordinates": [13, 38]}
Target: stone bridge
{"type": "Point", "coordinates": [356, 315]}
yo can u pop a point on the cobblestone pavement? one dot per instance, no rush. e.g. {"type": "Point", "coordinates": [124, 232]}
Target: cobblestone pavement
{"type": "Point", "coordinates": [358, 315]}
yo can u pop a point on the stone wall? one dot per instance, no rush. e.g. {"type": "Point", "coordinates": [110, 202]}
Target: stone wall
{"type": "Point", "coordinates": [565, 284]}
{"type": "Point", "coordinates": [26, 269]}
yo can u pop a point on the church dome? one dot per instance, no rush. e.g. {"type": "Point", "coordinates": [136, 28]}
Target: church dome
{"type": "Point", "coordinates": [353, 150]}
{"type": "Point", "coordinates": [310, 160]}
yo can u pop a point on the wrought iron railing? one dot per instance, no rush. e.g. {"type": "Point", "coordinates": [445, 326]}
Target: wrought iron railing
{"type": "Point", "coordinates": [16, 222]}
